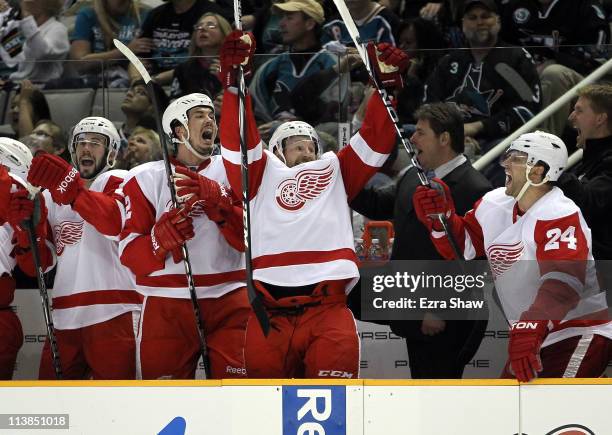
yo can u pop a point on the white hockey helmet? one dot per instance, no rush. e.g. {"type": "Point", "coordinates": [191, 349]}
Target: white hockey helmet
{"type": "Point", "coordinates": [290, 129]}
{"type": "Point", "coordinates": [15, 156]}
{"type": "Point", "coordinates": [542, 147]}
{"type": "Point", "coordinates": [97, 124]}
{"type": "Point", "coordinates": [539, 147]}
{"type": "Point", "coordinates": [177, 111]}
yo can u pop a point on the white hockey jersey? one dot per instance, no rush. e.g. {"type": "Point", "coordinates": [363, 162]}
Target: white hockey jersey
{"type": "Point", "coordinates": [301, 229]}
{"type": "Point", "coordinates": [91, 285]}
{"type": "Point", "coordinates": [551, 240]}
{"type": "Point", "coordinates": [217, 267]}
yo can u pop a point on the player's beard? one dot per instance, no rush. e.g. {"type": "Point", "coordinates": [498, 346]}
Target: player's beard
{"type": "Point", "coordinates": [483, 38]}
{"type": "Point", "coordinates": [88, 175]}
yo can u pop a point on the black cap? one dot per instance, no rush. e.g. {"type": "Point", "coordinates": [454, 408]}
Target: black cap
{"type": "Point", "coordinates": [489, 4]}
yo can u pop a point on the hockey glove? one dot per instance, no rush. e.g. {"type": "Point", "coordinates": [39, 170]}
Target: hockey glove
{"type": "Point", "coordinates": [169, 233]}
{"type": "Point", "coordinates": [429, 202]}
{"type": "Point", "coordinates": [238, 49]}
{"type": "Point", "coordinates": [388, 64]}
{"type": "Point", "coordinates": [56, 175]}
{"type": "Point", "coordinates": [526, 337]}
{"type": "Point", "coordinates": [21, 209]}
{"type": "Point", "coordinates": [192, 187]}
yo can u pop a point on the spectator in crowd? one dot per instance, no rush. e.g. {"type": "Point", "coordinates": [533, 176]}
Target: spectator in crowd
{"type": "Point", "coordinates": [49, 137]}
{"type": "Point", "coordinates": [305, 66]}
{"type": "Point", "coordinates": [589, 184]}
{"type": "Point", "coordinates": [423, 42]}
{"type": "Point", "coordinates": [28, 107]}
{"type": "Point", "coordinates": [436, 348]}
{"type": "Point", "coordinates": [267, 29]}
{"type": "Point", "coordinates": [143, 146]}
{"type": "Point", "coordinates": [374, 21]}
{"type": "Point", "coordinates": [92, 40]}
{"type": "Point", "coordinates": [199, 74]}
{"type": "Point", "coordinates": [545, 27]}
{"type": "Point", "coordinates": [496, 87]}
{"type": "Point", "coordinates": [139, 110]}
{"type": "Point", "coordinates": [46, 40]}
{"type": "Point", "coordinates": [169, 26]}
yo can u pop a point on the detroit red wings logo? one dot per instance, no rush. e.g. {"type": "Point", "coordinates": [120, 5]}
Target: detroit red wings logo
{"type": "Point", "coordinates": [293, 193]}
{"type": "Point", "coordinates": [502, 257]}
{"type": "Point", "coordinates": [67, 233]}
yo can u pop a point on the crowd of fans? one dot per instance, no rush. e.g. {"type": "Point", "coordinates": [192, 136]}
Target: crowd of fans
{"type": "Point", "coordinates": [497, 62]}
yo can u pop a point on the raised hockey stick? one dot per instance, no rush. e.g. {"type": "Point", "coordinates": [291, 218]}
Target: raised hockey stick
{"type": "Point", "coordinates": [254, 298]}
{"type": "Point", "coordinates": [514, 79]}
{"type": "Point", "coordinates": [354, 32]}
{"type": "Point", "coordinates": [169, 178]}
{"type": "Point", "coordinates": [40, 278]}
{"type": "Point", "coordinates": [534, 122]}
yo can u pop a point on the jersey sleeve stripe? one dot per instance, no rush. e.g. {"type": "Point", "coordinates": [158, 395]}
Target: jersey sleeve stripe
{"type": "Point", "coordinates": [565, 278]}
{"type": "Point", "coordinates": [367, 154]}
{"type": "Point", "coordinates": [235, 157]}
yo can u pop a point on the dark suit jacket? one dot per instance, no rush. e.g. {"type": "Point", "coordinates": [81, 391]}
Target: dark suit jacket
{"type": "Point", "coordinates": [412, 242]}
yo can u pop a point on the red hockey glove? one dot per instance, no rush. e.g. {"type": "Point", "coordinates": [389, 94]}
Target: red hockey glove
{"type": "Point", "coordinates": [21, 209]}
{"type": "Point", "coordinates": [526, 337]}
{"type": "Point", "coordinates": [430, 201]}
{"type": "Point", "coordinates": [5, 193]}
{"type": "Point", "coordinates": [192, 187]}
{"type": "Point", "coordinates": [170, 232]}
{"type": "Point", "coordinates": [238, 49]}
{"type": "Point", "coordinates": [56, 175]}
{"type": "Point", "coordinates": [388, 63]}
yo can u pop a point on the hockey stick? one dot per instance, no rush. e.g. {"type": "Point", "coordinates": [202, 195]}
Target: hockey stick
{"type": "Point", "coordinates": [254, 298]}
{"type": "Point", "coordinates": [40, 278]}
{"type": "Point", "coordinates": [188, 271]}
{"type": "Point", "coordinates": [514, 79]}
{"type": "Point", "coordinates": [534, 122]}
{"type": "Point", "coordinates": [408, 146]}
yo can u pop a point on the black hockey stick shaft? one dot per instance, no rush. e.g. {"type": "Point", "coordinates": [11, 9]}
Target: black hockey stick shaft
{"type": "Point", "coordinates": [186, 261]}
{"type": "Point", "coordinates": [44, 295]}
{"type": "Point", "coordinates": [254, 298]}
{"type": "Point", "coordinates": [166, 155]}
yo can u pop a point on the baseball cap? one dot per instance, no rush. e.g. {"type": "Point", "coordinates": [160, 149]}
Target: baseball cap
{"type": "Point", "coordinates": [489, 4]}
{"type": "Point", "coordinates": [312, 8]}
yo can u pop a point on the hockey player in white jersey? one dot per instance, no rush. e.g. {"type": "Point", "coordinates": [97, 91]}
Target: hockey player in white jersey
{"type": "Point", "coordinates": [11, 333]}
{"type": "Point", "coordinates": [539, 251]}
{"type": "Point", "coordinates": [95, 305]}
{"type": "Point", "coordinates": [304, 261]}
{"type": "Point", "coordinates": [151, 247]}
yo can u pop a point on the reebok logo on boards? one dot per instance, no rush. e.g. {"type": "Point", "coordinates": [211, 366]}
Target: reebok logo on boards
{"type": "Point", "coordinates": [314, 409]}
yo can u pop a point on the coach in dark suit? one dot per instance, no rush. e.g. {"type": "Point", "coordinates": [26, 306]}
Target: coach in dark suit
{"type": "Point", "coordinates": [436, 348]}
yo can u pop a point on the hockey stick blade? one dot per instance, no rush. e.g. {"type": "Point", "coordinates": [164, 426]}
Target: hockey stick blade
{"type": "Point", "coordinates": [517, 82]}
{"type": "Point", "coordinates": [129, 54]}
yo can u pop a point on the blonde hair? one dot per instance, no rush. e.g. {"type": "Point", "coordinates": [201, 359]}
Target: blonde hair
{"type": "Point", "coordinates": [153, 137]}
{"type": "Point", "coordinates": [109, 26]}
{"type": "Point", "coordinates": [223, 24]}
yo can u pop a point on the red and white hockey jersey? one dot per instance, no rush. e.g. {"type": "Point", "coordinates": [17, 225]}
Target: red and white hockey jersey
{"type": "Point", "coordinates": [91, 285]}
{"type": "Point", "coordinates": [217, 267]}
{"type": "Point", "coordinates": [550, 241]}
{"type": "Point", "coordinates": [300, 219]}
